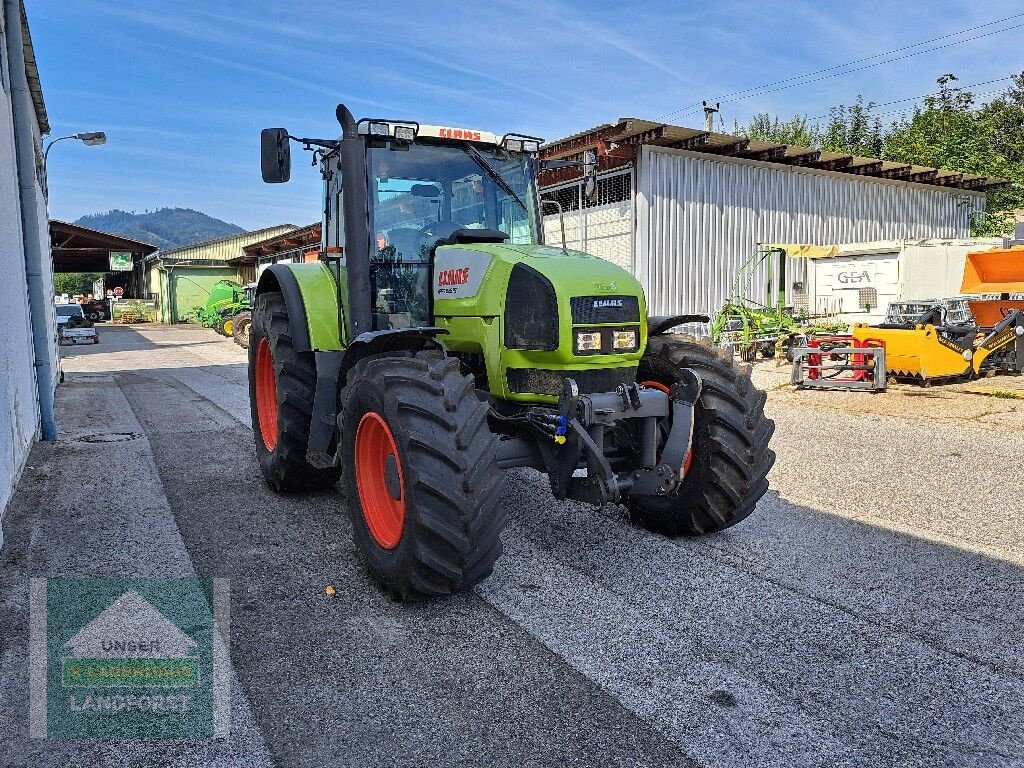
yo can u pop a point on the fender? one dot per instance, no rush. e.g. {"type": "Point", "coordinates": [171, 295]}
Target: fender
{"type": "Point", "coordinates": [377, 342]}
{"type": "Point", "coordinates": [311, 296]}
{"type": "Point", "coordinates": [331, 371]}
{"type": "Point", "coordinates": [658, 324]}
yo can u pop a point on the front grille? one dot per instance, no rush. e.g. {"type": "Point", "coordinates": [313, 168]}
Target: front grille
{"type": "Point", "coordinates": [538, 381]}
{"type": "Point", "coordinates": [531, 311]}
{"type": "Point", "coordinates": [588, 310]}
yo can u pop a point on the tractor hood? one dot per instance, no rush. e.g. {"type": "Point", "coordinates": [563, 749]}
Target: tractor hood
{"type": "Point", "coordinates": [473, 273]}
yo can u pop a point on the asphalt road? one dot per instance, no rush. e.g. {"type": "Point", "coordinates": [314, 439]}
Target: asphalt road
{"type": "Point", "coordinates": [867, 614]}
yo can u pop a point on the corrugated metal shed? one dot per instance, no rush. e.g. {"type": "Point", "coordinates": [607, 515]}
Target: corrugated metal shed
{"type": "Point", "coordinates": [201, 265]}
{"type": "Point", "coordinates": [222, 249]}
{"type": "Point", "coordinates": [699, 218]}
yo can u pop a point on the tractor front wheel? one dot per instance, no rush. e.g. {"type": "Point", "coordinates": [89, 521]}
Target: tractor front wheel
{"type": "Point", "coordinates": [281, 387]}
{"type": "Point", "coordinates": [421, 477]}
{"type": "Point", "coordinates": [728, 467]}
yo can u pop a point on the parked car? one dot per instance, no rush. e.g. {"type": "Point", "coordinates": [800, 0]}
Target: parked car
{"type": "Point", "coordinates": [73, 326]}
{"type": "Point", "coordinates": [66, 311]}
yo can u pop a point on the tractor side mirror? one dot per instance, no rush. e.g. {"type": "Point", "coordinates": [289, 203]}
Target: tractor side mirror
{"type": "Point", "coordinates": [590, 174]}
{"type": "Point", "coordinates": [275, 155]}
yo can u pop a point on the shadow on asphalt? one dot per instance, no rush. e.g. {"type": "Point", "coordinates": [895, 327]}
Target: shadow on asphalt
{"type": "Point", "coordinates": [798, 637]}
{"type": "Point", "coordinates": [837, 637]}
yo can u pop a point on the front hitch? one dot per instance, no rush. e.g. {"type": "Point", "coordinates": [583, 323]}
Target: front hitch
{"type": "Point", "coordinates": [577, 436]}
{"type": "Point", "coordinates": [664, 478]}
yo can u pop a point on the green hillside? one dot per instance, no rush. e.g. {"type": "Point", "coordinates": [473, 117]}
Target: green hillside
{"type": "Point", "coordinates": [165, 227]}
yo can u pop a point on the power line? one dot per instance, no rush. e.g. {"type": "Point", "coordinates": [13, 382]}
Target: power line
{"type": "Point", "coordinates": [803, 79]}
{"type": "Point", "coordinates": [925, 96]}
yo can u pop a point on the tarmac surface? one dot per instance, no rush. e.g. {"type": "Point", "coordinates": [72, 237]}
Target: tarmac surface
{"type": "Point", "coordinates": [867, 614]}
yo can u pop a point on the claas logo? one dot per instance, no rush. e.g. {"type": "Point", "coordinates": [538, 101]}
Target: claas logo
{"type": "Point", "coordinates": [459, 133]}
{"type": "Point", "coordinates": [453, 276]}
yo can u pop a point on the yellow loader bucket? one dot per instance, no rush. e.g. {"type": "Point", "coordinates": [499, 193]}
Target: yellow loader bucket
{"type": "Point", "coordinates": [919, 352]}
{"type": "Point", "coordinates": [998, 271]}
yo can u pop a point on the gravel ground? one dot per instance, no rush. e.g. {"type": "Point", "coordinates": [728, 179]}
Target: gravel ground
{"type": "Point", "coordinates": [867, 614]}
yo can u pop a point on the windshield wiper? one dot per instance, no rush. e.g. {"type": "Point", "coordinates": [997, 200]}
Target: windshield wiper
{"type": "Point", "coordinates": [505, 186]}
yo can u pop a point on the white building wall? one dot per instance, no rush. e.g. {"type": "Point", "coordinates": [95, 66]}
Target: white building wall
{"type": "Point", "coordinates": [935, 270]}
{"type": "Point", "coordinates": [19, 409]}
{"type": "Point", "coordinates": [699, 218]}
{"type": "Point", "coordinates": [604, 230]}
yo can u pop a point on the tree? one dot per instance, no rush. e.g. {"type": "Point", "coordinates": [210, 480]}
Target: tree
{"type": "Point", "coordinates": [853, 130]}
{"type": "Point", "coordinates": [73, 283]}
{"type": "Point", "coordinates": [948, 130]}
{"type": "Point", "coordinates": [797, 131]}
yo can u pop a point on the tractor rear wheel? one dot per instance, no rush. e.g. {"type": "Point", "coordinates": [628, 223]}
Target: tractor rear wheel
{"type": "Point", "coordinates": [421, 477]}
{"type": "Point", "coordinates": [240, 331]}
{"type": "Point", "coordinates": [728, 467]}
{"type": "Point", "coordinates": [281, 387]}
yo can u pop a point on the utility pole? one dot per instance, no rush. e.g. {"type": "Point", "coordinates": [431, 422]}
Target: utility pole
{"type": "Point", "coordinates": [709, 116]}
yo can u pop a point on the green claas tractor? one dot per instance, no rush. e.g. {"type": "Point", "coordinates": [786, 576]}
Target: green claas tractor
{"type": "Point", "coordinates": [438, 343]}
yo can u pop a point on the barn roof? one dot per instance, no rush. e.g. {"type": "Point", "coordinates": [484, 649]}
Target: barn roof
{"type": "Point", "coordinates": [620, 140]}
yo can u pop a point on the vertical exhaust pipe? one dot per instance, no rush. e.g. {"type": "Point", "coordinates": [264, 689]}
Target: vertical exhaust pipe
{"type": "Point", "coordinates": [357, 238]}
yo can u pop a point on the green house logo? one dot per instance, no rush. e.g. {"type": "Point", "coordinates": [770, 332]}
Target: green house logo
{"type": "Point", "coordinates": [130, 645]}
{"type": "Point", "coordinates": [138, 658]}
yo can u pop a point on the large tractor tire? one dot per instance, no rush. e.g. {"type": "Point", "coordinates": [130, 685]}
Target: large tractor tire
{"type": "Point", "coordinates": [421, 476]}
{"type": "Point", "coordinates": [281, 387]}
{"type": "Point", "coordinates": [226, 326]}
{"type": "Point", "coordinates": [240, 331]}
{"type": "Point", "coordinates": [729, 464]}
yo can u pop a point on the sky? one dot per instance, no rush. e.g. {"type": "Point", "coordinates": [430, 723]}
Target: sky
{"type": "Point", "coordinates": [182, 89]}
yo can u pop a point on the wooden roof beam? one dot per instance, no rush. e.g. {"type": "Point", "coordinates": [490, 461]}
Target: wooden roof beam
{"type": "Point", "coordinates": [866, 169]}
{"type": "Point", "coordinates": [580, 143]}
{"type": "Point", "coordinates": [806, 158]}
{"type": "Point", "coordinates": [769, 155]}
{"type": "Point", "coordinates": [974, 183]}
{"type": "Point", "coordinates": [901, 172]}
{"type": "Point", "coordinates": [833, 164]}
{"type": "Point", "coordinates": [729, 150]}
{"type": "Point", "coordinates": [925, 176]}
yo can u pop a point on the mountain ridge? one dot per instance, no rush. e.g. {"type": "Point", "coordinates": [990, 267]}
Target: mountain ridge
{"type": "Point", "coordinates": [166, 228]}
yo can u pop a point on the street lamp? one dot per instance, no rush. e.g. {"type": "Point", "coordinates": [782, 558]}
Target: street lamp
{"type": "Point", "coordinates": [91, 139]}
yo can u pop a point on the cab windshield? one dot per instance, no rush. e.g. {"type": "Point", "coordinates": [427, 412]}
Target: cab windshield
{"type": "Point", "coordinates": [422, 194]}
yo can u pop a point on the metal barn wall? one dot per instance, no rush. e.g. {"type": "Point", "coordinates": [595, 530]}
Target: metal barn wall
{"type": "Point", "coordinates": [699, 218]}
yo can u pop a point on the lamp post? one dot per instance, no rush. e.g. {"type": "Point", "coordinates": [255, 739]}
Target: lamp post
{"type": "Point", "coordinates": [91, 139]}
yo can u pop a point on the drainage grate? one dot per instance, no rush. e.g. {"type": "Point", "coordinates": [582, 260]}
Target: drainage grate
{"type": "Point", "coordinates": [109, 437]}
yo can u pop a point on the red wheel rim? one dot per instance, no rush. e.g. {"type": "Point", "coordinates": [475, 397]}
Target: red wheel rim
{"type": "Point", "coordinates": [381, 497]}
{"type": "Point", "coordinates": [266, 395]}
{"type": "Point", "coordinates": [659, 386]}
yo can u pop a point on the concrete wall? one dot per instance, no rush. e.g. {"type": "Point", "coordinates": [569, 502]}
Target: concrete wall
{"type": "Point", "coordinates": [19, 408]}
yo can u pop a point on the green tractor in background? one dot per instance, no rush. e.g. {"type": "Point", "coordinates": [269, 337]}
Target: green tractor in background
{"type": "Point", "coordinates": [438, 343]}
{"type": "Point", "coordinates": [241, 321]}
{"type": "Point", "coordinates": [228, 310]}
{"type": "Point", "coordinates": [224, 300]}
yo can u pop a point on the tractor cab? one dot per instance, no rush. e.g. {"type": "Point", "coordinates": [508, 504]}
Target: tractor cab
{"type": "Point", "coordinates": [431, 192]}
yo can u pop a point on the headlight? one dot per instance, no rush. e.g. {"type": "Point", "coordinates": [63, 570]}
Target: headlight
{"type": "Point", "coordinates": [405, 133]}
{"type": "Point", "coordinates": [624, 340]}
{"type": "Point", "coordinates": [588, 341]}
